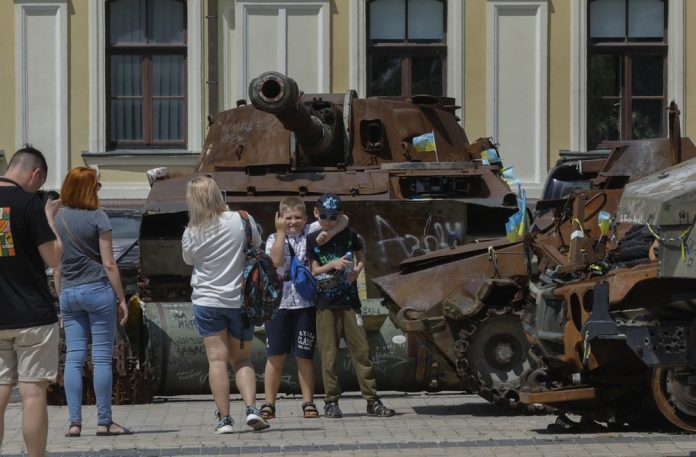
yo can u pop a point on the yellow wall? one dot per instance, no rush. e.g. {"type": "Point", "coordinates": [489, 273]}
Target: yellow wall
{"type": "Point", "coordinates": [475, 58]}
{"type": "Point", "coordinates": [78, 82]}
{"type": "Point", "coordinates": [7, 81]}
{"type": "Point", "coordinates": [340, 57]}
{"type": "Point", "coordinates": [559, 79]}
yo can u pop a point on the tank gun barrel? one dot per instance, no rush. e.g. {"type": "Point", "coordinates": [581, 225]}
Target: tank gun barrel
{"type": "Point", "coordinates": [279, 95]}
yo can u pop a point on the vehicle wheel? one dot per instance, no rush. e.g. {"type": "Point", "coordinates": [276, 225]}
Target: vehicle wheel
{"type": "Point", "coordinates": [675, 396]}
{"type": "Point", "coordinates": [497, 355]}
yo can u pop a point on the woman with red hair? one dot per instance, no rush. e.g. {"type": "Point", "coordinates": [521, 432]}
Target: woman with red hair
{"type": "Point", "coordinates": [89, 286]}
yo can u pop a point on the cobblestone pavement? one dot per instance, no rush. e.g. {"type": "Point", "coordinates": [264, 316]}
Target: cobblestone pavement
{"type": "Point", "coordinates": [445, 424]}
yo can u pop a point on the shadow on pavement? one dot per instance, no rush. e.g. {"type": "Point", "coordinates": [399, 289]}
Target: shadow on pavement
{"type": "Point", "coordinates": [477, 410]}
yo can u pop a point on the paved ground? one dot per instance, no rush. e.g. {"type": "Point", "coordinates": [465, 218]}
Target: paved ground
{"type": "Point", "coordinates": [426, 424]}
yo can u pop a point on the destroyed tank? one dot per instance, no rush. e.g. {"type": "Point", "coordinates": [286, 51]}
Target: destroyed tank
{"type": "Point", "coordinates": [616, 343]}
{"type": "Point", "coordinates": [484, 318]}
{"type": "Point", "coordinates": [402, 199]}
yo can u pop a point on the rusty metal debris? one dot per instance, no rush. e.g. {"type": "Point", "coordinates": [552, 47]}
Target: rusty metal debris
{"type": "Point", "coordinates": [561, 318]}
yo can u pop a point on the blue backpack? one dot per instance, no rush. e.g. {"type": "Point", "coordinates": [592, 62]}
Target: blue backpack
{"type": "Point", "coordinates": [262, 289]}
{"type": "Point", "coordinates": [305, 283]}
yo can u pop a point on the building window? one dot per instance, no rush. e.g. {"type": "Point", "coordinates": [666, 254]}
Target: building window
{"type": "Point", "coordinates": [146, 68]}
{"type": "Point", "coordinates": [406, 47]}
{"type": "Point", "coordinates": [626, 74]}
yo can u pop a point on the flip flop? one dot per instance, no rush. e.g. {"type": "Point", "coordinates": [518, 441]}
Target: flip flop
{"type": "Point", "coordinates": [108, 432]}
{"type": "Point", "coordinates": [72, 425]}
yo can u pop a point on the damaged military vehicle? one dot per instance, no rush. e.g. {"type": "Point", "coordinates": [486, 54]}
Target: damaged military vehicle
{"type": "Point", "coordinates": [510, 314]}
{"type": "Point", "coordinates": [410, 181]}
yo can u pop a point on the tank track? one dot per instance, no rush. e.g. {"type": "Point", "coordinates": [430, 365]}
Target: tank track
{"type": "Point", "coordinates": [469, 330]}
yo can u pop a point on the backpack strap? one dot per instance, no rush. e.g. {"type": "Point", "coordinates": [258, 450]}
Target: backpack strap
{"type": "Point", "coordinates": [247, 231]}
{"type": "Point", "coordinates": [247, 227]}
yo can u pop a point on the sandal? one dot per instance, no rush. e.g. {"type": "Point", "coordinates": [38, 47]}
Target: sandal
{"type": "Point", "coordinates": [268, 411]}
{"type": "Point", "coordinates": [109, 432]}
{"type": "Point", "coordinates": [310, 411]}
{"type": "Point", "coordinates": [70, 433]}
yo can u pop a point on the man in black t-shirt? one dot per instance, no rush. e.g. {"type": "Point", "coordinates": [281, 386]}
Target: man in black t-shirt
{"type": "Point", "coordinates": [336, 265]}
{"type": "Point", "coordinates": [28, 319]}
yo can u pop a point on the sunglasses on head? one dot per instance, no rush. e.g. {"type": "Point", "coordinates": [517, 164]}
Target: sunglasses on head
{"type": "Point", "coordinates": [331, 217]}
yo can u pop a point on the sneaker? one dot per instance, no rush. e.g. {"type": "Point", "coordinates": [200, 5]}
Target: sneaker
{"type": "Point", "coordinates": [331, 409]}
{"type": "Point", "coordinates": [225, 424]}
{"type": "Point", "coordinates": [254, 419]}
{"type": "Point", "coordinates": [376, 408]}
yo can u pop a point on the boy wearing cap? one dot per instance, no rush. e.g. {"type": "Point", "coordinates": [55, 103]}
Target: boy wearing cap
{"type": "Point", "coordinates": [336, 265]}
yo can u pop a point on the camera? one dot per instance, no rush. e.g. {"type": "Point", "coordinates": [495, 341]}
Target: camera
{"type": "Point", "coordinates": [47, 195]}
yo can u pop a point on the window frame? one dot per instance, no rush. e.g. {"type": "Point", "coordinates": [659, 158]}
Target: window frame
{"type": "Point", "coordinates": [627, 49]}
{"type": "Point", "coordinates": [406, 49]}
{"type": "Point", "coordinates": [146, 51]}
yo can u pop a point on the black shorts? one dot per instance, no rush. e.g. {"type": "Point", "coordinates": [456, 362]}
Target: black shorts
{"type": "Point", "coordinates": [292, 331]}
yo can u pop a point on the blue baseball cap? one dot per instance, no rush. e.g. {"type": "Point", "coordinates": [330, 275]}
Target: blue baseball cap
{"type": "Point", "coordinates": [329, 204]}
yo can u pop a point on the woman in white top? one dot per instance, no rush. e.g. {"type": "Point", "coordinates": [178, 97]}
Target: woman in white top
{"type": "Point", "coordinates": [214, 243]}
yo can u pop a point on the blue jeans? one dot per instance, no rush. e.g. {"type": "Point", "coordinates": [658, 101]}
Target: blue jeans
{"type": "Point", "coordinates": [89, 310]}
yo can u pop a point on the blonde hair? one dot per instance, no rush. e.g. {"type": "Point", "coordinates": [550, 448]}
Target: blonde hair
{"type": "Point", "coordinates": [292, 202]}
{"type": "Point", "coordinates": [204, 202]}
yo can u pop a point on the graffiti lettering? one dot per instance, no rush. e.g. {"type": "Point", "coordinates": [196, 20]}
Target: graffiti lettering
{"type": "Point", "coordinates": [436, 236]}
{"type": "Point", "coordinates": [187, 324]}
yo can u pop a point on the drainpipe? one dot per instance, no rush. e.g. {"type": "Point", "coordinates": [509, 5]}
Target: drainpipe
{"type": "Point", "coordinates": [212, 59]}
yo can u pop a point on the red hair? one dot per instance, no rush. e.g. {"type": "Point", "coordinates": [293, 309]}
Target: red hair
{"type": "Point", "coordinates": [80, 188]}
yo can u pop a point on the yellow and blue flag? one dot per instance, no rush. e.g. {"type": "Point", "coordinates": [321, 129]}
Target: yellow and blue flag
{"type": "Point", "coordinates": [518, 224]}
{"type": "Point", "coordinates": [425, 142]}
{"type": "Point", "coordinates": [490, 156]}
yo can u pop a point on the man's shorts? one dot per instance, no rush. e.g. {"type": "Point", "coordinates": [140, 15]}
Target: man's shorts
{"type": "Point", "coordinates": [210, 320]}
{"type": "Point", "coordinates": [29, 354]}
{"type": "Point", "coordinates": [292, 331]}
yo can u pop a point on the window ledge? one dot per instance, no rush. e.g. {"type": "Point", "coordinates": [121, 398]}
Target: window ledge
{"type": "Point", "coordinates": [149, 157]}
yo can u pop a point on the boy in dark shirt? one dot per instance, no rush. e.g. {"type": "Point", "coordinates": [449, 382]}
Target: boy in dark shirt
{"type": "Point", "coordinates": [336, 265]}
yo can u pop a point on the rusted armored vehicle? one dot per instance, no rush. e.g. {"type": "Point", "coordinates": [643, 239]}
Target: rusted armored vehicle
{"type": "Point", "coordinates": [478, 306]}
{"type": "Point", "coordinates": [404, 200]}
{"type": "Point", "coordinates": [619, 347]}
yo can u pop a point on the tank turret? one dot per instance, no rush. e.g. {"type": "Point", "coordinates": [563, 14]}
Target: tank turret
{"type": "Point", "coordinates": [277, 94]}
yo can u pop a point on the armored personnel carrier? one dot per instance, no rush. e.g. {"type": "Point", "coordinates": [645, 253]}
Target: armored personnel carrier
{"type": "Point", "coordinates": [404, 199]}
{"type": "Point", "coordinates": [490, 303]}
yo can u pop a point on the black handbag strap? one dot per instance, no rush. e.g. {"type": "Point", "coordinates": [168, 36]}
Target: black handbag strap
{"type": "Point", "coordinates": [292, 251]}
{"type": "Point", "coordinates": [81, 247]}
{"type": "Point", "coordinates": [287, 240]}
